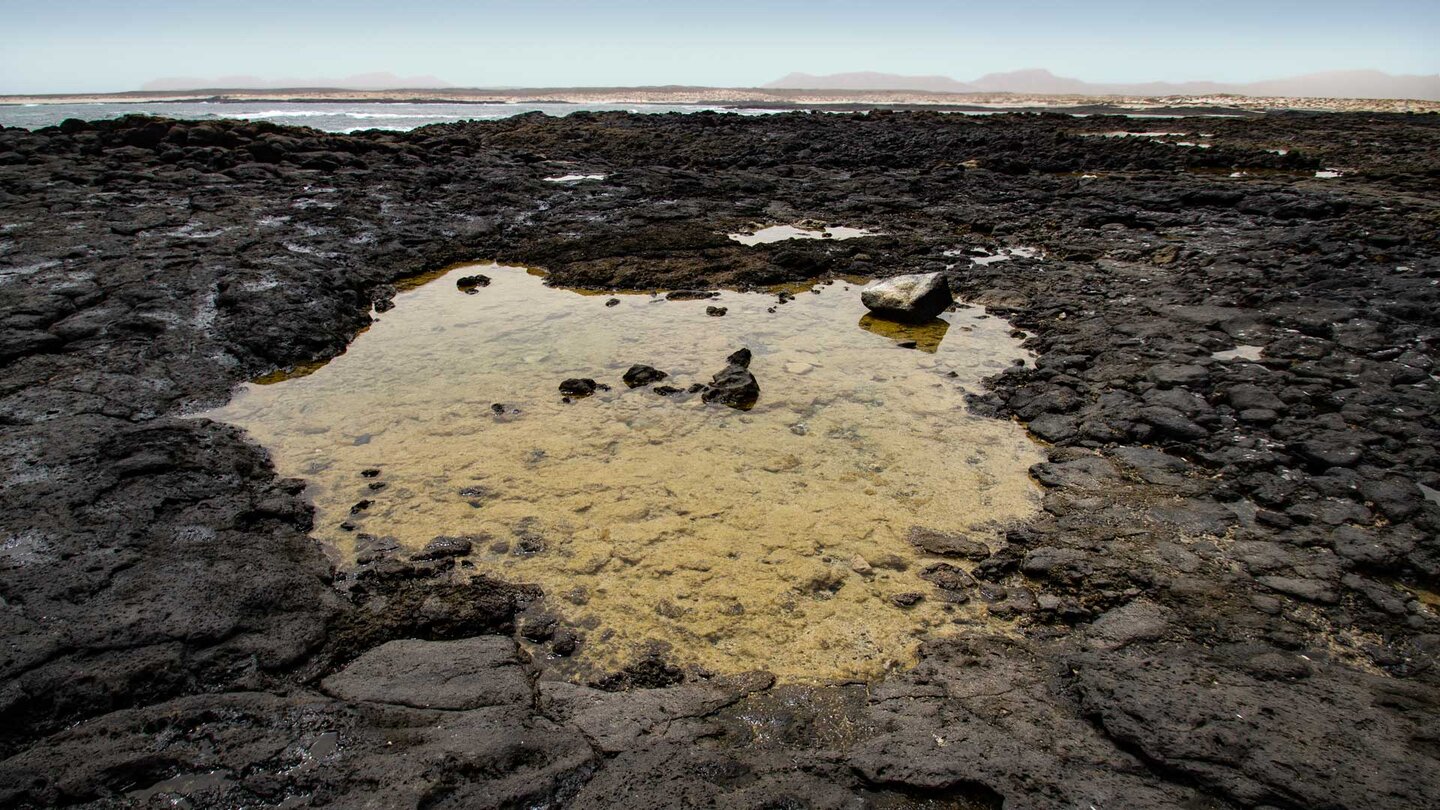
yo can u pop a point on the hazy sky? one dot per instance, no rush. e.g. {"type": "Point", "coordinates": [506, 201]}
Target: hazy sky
{"type": "Point", "coordinates": [82, 45]}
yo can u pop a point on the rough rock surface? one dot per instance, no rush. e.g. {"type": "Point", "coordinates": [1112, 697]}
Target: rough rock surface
{"type": "Point", "coordinates": [1227, 600]}
{"type": "Point", "coordinates": [913, 298]}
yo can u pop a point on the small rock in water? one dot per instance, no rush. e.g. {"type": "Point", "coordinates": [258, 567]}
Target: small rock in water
{"type": "Point", "coordinates": [666, 390]}
{"type": "Point", "coordinates": [578, 387]}
{"type": "Point", "coordinates": [715, 312]}
{"type": "Point", "coordinates": [472, 284]}
{"type": "Point", "coordinates": [946, 544]}
{"type": "Point", "coordinates": [442, 547]}
{"type": "Point", "coordinates": [613, 302]}
{"type": "Point", "coordinates": [564, 642]}
{"type": "Point", "coordinates": [913, 298]}
{"type": "Point", "coordinates": [497, 408]}
{"type": "Point", "coordinates": [370, 473]}
{"type": "Point", "coordinates": [360, 506]}
{"type": "Point", "coordinates": [639, 375]}
{"type": "Point", "coordinates": [734, 386]}
{"type": "Point", "coordinates": [906, 600]}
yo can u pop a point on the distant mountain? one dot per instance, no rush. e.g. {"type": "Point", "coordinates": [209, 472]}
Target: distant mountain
{"type": "Point", "coordinates": [871, 81]}
{"type": "Point", "coordinates": [359, 81]}
{"type": "Point", "coordinates": [1334, 84]}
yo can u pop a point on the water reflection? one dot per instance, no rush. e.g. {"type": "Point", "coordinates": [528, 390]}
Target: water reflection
{"type": "Point", "coordinates": [925, 336]}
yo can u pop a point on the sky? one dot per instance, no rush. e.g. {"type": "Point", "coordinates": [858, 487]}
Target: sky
{"type": "Point", "coordinates": [66, 46]}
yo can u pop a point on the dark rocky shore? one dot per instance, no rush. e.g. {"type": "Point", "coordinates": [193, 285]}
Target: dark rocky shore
{"type": "Point", "coordinates": [1223, 603]}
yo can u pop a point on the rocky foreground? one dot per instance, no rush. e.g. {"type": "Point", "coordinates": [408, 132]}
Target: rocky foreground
{"type": "Point", "coordinates": [1228, 600]}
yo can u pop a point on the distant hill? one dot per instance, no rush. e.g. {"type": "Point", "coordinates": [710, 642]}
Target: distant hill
{"type": "Point", "coordinates": [1333, 84]}
{"type": "Point", "coordinates": [871, 81]}
{"type": "Point", "coordinates": [359, 81]}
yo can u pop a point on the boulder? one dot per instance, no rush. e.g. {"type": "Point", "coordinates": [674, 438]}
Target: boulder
{"type": "Point", "coordinates": [913, 298]}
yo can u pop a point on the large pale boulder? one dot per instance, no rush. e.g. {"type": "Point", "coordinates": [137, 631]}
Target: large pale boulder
{"type": "Point", "coordinates": [913, 299]}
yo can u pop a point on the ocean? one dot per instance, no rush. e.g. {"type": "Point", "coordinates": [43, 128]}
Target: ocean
{"type": "Point", "coordinates": [327, 116]}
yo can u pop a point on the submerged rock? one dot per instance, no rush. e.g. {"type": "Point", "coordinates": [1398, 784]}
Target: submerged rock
{"type": "Point", "coordinates": [581, 387]}
{"type": "Point", "coordinates": [913, 298]}
{"type": "Point", "coordinates": [639, 375]}
{"type": "Point", "coordinates": [445, 546]}
{"type": "Point", "coordinates": [734, 386]}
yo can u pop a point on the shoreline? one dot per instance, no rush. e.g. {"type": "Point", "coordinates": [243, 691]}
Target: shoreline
{"type": "Point", "coordinates": [751, 98]}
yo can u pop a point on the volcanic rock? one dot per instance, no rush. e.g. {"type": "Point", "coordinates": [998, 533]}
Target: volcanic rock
{"type": "Point", "coordinates": [913, 298]}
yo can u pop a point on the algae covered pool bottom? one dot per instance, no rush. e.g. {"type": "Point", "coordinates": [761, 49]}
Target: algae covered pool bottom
{"type": "Point", "coordinates": [773, 538]}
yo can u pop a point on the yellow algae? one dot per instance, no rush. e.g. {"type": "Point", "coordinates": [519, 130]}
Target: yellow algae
{"type": "Point", "coordinates": [766, 539]}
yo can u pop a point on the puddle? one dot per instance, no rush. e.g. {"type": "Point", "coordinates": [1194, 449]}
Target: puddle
{"type": "Point", "coordinates": [1240, 353]}
{"type": "Point", "coordinates": [1123, 134]}
{"type": "Point", "coordinates": [178, 789]}
{"type": "Point", "coordinates": [574, 178]}
{"type": "Point", "coordinates": [772, 538]}
{"type": "Point", "coordinates": [779, 233]}
{"type": "Point", "coordinates": [1003, 255]}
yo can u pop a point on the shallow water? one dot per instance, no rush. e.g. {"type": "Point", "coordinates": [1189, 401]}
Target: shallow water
{"type": "Point", "coordinates": [765, 539]}
{"type": "Point", "coordinates": [780, 233]}
{"type": "Point", "coordinates": [1241, 352]}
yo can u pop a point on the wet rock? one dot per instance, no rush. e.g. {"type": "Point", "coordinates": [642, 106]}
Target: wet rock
{"type": "Point", "coordinates": [565, 642]}
{"type": "Point", "coordinates": [715, 312]}
{"type": "Point", "coordinates": [639, 375]}
{"type": "Point", "coordinates": [912, 298]}
{"type": "Point", "coordinates": [954, 581]}
{"type": "Point", "coordinates": [612, 302]}
{"type": "Point", "coordinates": [907, 599]}
{"type": "Point", "coordinates": [472, 284]}
{"type": "Point", "coordinates": [578, 387]}
{"type": "Point", "coordinates": [734, 386]}
{"type": "Point", "coordinates": [650, 672]}
{"type": "Point", "coordinates": [932, 541]}
{"type": "Point", "coordinates": [690, 295]}
{"type": "Point", "coordinates": [444, 546]}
